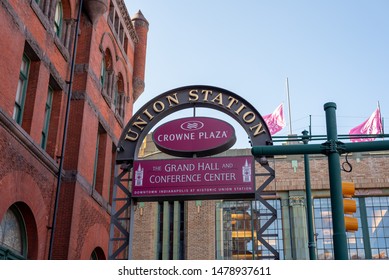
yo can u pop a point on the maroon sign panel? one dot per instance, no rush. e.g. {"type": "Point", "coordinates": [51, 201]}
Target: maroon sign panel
{"type": "Point", "coordinates": [205, 178]}
{"type": "Point", "coordinates": [196, 135]}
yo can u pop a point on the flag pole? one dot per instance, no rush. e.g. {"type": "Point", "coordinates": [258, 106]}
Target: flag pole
{"type": "Point", "coordinates": [382, 119]}
{"type": "Point", "coordinates": [289, 113]}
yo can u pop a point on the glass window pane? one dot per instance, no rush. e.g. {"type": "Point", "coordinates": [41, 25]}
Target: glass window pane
{"type": "Point", "coordinates": [240, 221]}
{"type": "Point", "coordinates": [11, 232]}
{"type": "Point", "coordinates": [24, 66]}
{"type": "Point", "coordinates": [46, 123]}
{"type": "Point", "coordinates": [58, 19]}
{"type": "Point", "coordinates": [21, 90]}
{"type": "Point", "coordinates": [324, 232]}
{"type": "Point", "coordinates": [378, 223]}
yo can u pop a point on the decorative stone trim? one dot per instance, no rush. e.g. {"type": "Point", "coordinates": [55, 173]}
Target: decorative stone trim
{"type": "Point", "coordinates": [127, 20]}
{"type": "Point", "coordinates": [296, 201]}
{"type": "Point", "coordinates": [138, 87]}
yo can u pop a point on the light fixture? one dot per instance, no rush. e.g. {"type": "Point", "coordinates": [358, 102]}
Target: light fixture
{"type": "Point", "coordinates": [198, 205]}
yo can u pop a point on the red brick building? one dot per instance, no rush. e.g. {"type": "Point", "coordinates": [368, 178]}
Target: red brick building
{"type": "Point", "coordinates": [36, 51]}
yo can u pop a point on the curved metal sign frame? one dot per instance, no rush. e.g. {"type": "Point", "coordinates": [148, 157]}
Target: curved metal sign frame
{"type": "Point", "coordinates": [122, 217]}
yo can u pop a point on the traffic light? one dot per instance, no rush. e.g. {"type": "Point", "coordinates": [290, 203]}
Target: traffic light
{"type": "Point", "coordinates": [349, 206]}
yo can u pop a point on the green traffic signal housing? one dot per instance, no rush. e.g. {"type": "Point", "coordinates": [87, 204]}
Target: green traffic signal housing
{"type": "Point", "coordinates": [349, 206]}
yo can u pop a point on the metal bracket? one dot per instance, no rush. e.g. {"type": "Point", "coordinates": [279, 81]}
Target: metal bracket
{"type": "Point", "coordinates": [332, 146]}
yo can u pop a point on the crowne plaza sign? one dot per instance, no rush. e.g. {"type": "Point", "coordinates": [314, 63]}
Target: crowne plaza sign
{"type": "Point", "coordinates": [200, 136]}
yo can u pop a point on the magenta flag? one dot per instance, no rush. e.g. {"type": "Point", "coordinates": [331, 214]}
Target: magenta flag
{"type": "Point", "coordinates": [275, 121]}
{"type": "Point", "coordinates": [372, 125]}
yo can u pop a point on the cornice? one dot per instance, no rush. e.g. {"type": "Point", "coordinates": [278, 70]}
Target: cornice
{"type": "Point", "coordinates": [127, 20]}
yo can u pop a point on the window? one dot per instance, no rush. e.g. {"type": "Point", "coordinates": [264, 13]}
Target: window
{"type": "Point", "coordinates": [52, 119]}
{"type": "Point", "coordinates": [107, 76]}
{"type": "Point", "coordinates": [13, 237]}
{"type": "Point", "coordinates": [112, 87]}
{"type": "Point", "coordinates": [238, 231]}
{"type": "Point", "coordinates": [324, 233]}
{"type": "Point", "coordinates": [98, 170]}
{"type": "Point", "coordinates": [46, 123]}
{"type": "Point", "coordinates": [94, 256]}
{"type": "Point", "coordinates": [118, 27]}
{"type": "Point", "coordinates": [273, 234]}
{"type": "Point", "coordinates": [119, 96]}
{"type": "Point", "coordinates": [103, 71]}
{"type": "Point", "coordinates": [323, 228]}
{"type": "Point", "coordinates": [58, 18]}
{"type": "Point", "coordinates": [112, 176]}
{"type": "Point", "coordinates": [115, 96]}
{"type": "Point", "coordinates": [21, 90]}
{"type": "Point", "coordinates": [378, 224]}
{"type": "Point", "coordinates": [237, 226]}
{"type": "Point", "coordinates": [97, 254]}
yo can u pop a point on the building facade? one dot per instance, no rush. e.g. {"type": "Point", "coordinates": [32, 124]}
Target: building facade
{"type": "Point", "coordinates": [217, 229]}
{"type": "Point", "coordinates": [36, 56]}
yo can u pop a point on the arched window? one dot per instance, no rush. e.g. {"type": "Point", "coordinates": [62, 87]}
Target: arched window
{"type": "Point", "coordinates": [119, 96]}
{"type": "Point", "coordinates": [97, 254]}
{"type": "Point", "coordinates": [106, 76]}
{"type": "Point", "coordinates": [58, 18]}
{"type": "Point", "coordinates": [13, 236]}
{"type": "Point", "coordinates": [103, 72]}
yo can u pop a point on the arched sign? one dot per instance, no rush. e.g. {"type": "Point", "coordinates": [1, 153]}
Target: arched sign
{"type": "Point", "coordinates": [195, 178]}
{"type": "Point", "coordinates": [186, 97]}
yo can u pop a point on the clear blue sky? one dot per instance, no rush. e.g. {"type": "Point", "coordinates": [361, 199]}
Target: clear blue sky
{"type": "Point", "coordinates": [330, 51]}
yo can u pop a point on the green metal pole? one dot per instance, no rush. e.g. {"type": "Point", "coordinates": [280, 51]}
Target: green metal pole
{"type": "Point", "coordinates": [365, 228]}
{"type": "Point", "coordinates": [364, 146]}
{"type": "Point", "coordinates": [339, 228]}
{"type": "Point", "coordinates": [308, 192]}
{"type": "Point", "coordinates": [288, 150]}
{"type": "Point", "coordinates": [320, 148]}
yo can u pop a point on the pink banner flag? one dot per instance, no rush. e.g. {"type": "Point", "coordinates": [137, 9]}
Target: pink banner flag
{"type": "Point", "coordinates": [372, 125]}
{"type": "Point", "coordinates": [275, 121]}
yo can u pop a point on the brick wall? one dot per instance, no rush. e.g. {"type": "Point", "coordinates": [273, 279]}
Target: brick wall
{"type": "Point", "coordinates": [145, 232]}
{"type": "Point", "coordinates": [29, 183]}
{"type": "Point", "coordinates": [369, 170]}
{"type": "Point", "coordinates": [28, 174]}
{"type": "Point", "coordinates": [200, 231]}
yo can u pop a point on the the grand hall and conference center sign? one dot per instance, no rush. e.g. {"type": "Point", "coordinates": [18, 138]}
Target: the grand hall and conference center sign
{"type": "Point", "coordinates": [222, 177]}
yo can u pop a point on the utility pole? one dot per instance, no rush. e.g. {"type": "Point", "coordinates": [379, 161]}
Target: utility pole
{"type": "Point", "coordinates": [308, 194]}
{"type": "Point", "coordinates": [338, 225]}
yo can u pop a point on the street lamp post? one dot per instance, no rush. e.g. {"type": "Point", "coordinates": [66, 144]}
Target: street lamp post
{"type": "Point", "coordinates": [338, 226]}
{"type": "Point", "coordinates": [308, 194]}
